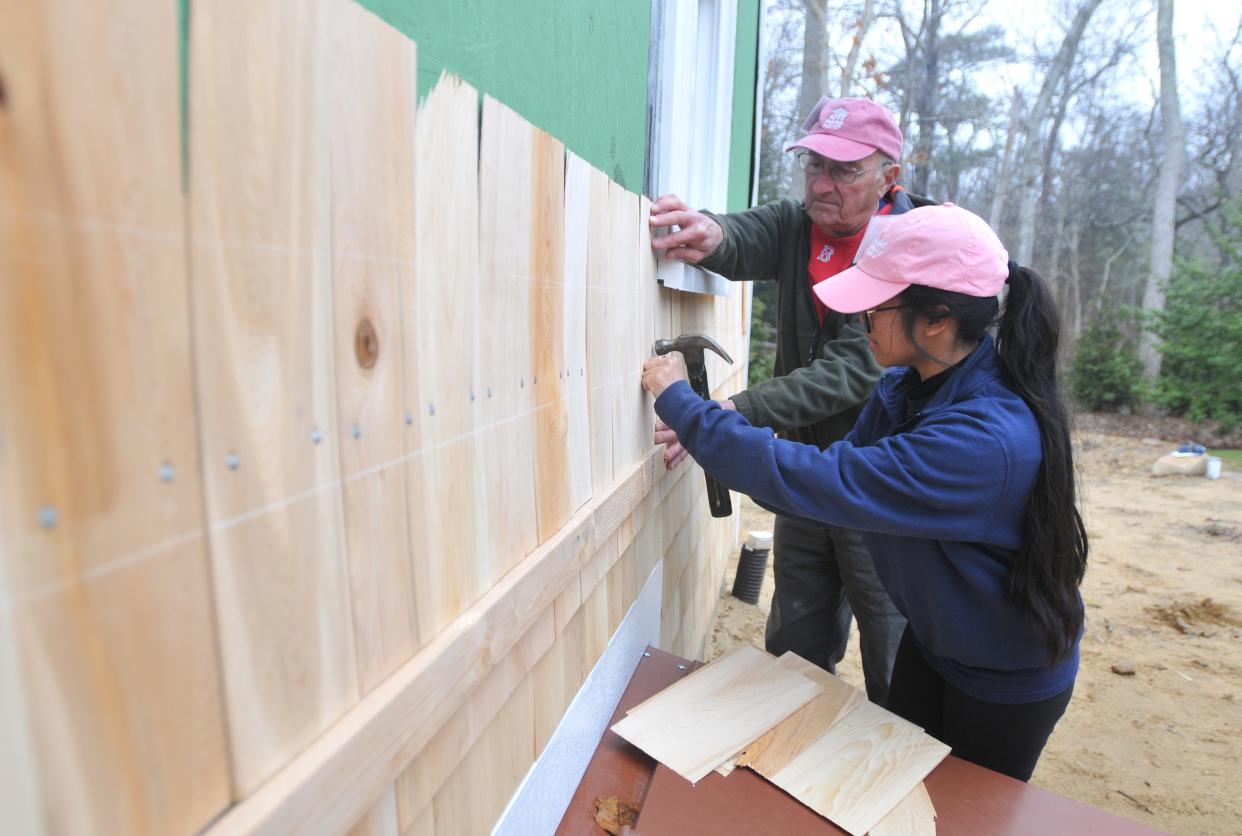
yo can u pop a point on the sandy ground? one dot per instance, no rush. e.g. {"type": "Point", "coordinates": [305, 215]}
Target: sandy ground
{"type": "Point", "coordinates": [1154, 730]}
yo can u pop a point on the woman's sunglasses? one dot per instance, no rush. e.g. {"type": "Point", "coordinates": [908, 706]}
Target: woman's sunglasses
{"type": "Point", "coordinates": [866, 315]}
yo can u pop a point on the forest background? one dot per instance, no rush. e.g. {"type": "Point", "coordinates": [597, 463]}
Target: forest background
{"type": "Point", "coordinates": [1102, 139]}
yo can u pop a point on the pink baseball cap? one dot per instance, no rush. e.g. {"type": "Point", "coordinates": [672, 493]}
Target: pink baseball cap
{"type": "Point", "coordinates": [850, 129]}
{"type": "Point", "coordinates": [945, 247]}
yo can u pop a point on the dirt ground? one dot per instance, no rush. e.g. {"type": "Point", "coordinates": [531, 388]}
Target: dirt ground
{"type": "Point", "coordinates": [1154, 730]}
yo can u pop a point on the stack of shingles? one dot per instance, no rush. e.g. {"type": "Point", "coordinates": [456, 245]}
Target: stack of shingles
{"type": "Point", "coordinates": [801, 728]}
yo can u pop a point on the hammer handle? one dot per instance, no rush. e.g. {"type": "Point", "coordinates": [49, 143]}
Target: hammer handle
{"type": "Point", "coordinates": [717, 494]}
{"type": "Point", "coordinates": [697, 372]}
{"type": "Point", "coordinates": [718, 498]}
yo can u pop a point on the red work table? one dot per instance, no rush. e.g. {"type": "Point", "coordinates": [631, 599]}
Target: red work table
{"type": "Point", "coordinates": [968, 799]}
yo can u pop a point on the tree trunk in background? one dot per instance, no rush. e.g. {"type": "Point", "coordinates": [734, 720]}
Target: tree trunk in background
{"type": "Point", "coordinates": [926, 105]}
{"type": "Point", "coordinates": [814, 56]}
{"type": "Point", "coordinates": [1065, 283]}
{"type": "Point", "coordinates": [1073, 314]}
{"type": "Point", "coordinates": [952, 178]}
{"type": "Point", "coordinates": [997, 211]}
{"type": "Point", "coordinates": [851, 60]}
{"type": "Point", "coordinates": [1049, 254]}
{"type": "Point", "coordinates": [814, 71]}
{"type": "Point", "coordinates": [1052, 273]}
{"type": "Point", "coordinates": [910, 40]}
{"type": "Point", "coordinates": [1101, 295]}
{"type": "Point", "coordinates": [1173, 142]}
{"type": "Point", "coordinates": [1032, 149]}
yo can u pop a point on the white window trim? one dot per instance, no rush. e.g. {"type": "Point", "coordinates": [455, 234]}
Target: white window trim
{"type": "Point", "coordinates": [690, 123]}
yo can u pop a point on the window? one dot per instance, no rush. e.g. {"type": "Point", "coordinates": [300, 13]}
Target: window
{"type": "Point", "coordinates": [690, 111]}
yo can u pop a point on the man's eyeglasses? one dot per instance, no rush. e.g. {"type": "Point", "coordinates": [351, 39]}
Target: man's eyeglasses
{"type": "Point", "coordinates": [866, 315]}
{"type": "Point", "coordinates": [842, 174]}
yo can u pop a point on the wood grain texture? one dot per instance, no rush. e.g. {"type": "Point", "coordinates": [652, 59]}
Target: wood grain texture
{"type": "Point", "coordinates": [860, 769]}
{"type": "Point", "coordinates": [260, 251]}
{"type": "Point", "coordinates": [123, 697]}
{"type": "Point", "coordinates": [567, 603]}
{"type": "Point", "coordinates": [308, 220]}
{"type": "Point", "coordinates": [625, 328]}
{"type": "Point", "coordinates": [371, 126]}
{"type": "Point", "coordinates": [426, 775]}
{"type": "Point", "coordinates": [781, 744]}
{"type": "Point", "coordinates": [693, 726]}
{"type": "Point", "coordinates": [381, 820]}
{"type": "Point", "coordinates": [649, 307]}
{"type": "Point", "coordinates": [111, 709]}
{"type": "Point", "coordinates": [616, 596]}
{"type": "Point", "coordinates": [549, 300]}
{"type": "Point", "coordinates": [333, 783]}
{"type": "Point", "coordinates": [506, 516]}
{"type": "Point", "coordinates": [95, 399]}
{"type": "Point", "coordinates": [19, 792]}
{"type": "Point", "coordinates": [441, 312]}
{"type": "Point", "coordinates": [286, 635]}
{"type": "Point", "coordinates": [19, 781]}
{"type": "Point", "coordinates": [914, 815]}
{"type": "Point", "coordinates": [478, 791]}
{"type": "Point", "coordinates": [600, 359]}
{"type": "Point", "coordinates": [89, 122]}
{"type": "Point", "coordinates": [260, 229]}
{"type": "Point", "coordinates": [371, 131]}
{"type": "Point", "coordinates": [261, 236]}
{"type": "Point", "coordinates": [424, 824]}
{"type": "Point", "coordinates": [381, 585]}
{"type": "Point", "coordinates": [574, 327]}
{"type": "Point", "coordinates": [595, 618]}
{"type": "Point", "coordinates": [558, 676]}
{"type": "Point", "coordinates": [95, 359]}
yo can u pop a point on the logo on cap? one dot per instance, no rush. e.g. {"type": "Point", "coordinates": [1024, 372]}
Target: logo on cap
{"type": "Point", "coordinates": [878, 246]}
{"type": "Point", "coordinates": [836, 119]}
{"type": "Point", "coordinates": [826, 253]}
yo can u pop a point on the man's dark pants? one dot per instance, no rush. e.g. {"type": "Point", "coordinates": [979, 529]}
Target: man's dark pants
{"type": "Point", "coordinates": [823, 574]}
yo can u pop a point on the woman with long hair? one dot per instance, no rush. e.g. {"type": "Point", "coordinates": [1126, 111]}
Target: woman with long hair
{"type": "Point", "coordinates": [959, 472]}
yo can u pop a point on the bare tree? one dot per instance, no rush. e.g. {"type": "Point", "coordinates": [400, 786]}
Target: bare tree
{"type": "Point", "coordinates": [1002, 175]}
{"type": "Point", "coordinates": [1214, 167]}
{"type": "Point", "coordinates": [814, 79]}
{"type": "Point", "coordinates": [851, 59]}
{"type": "Point", "coordinates": [1163, 228]}
{"type": "Point", "coordinates": [814, 55]}
{"type": "Point", "coordinates": [781, 77]}
{"type": "Point", "coordinates": [940, 107]}
{"type": "Point", "coordinates": [925, 103]}
{"type": "Point", "coordinates": [1033, 146]}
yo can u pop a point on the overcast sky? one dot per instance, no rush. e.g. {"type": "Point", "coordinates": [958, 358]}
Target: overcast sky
{"type": "Point", "coordinates": [1199, 26]}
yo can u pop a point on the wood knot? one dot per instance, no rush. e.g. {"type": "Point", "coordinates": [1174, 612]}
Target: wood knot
{"type": "Point", "coordinates": [3, 98]}
{"type": "Point", "coordinates": [366, 344]}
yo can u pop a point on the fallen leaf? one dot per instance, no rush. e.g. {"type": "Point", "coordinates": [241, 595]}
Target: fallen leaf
{"type": "Point", "coordinates": [612, 814]}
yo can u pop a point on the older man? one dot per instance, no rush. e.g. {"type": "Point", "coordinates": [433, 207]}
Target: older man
{"type": "Point", "coordinates": [824, 370]}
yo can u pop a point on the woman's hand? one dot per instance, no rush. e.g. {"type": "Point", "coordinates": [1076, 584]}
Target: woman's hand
{"type": "Point", "coordinates": [659, 373]}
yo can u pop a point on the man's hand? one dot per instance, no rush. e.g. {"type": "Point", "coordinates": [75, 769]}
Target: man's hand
{"type": "Point", "coordinates": [674, 453]}
{"type": "Point", "coordinates": [697, 236]}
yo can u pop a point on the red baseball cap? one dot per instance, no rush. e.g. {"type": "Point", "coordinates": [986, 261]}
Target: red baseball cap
{"type": "Point", "coordinates": [945, 247]}
{"type": "Point", "coordinates": [850, 129]}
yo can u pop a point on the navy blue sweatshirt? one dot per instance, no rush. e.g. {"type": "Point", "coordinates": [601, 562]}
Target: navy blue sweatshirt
{"type": "Point", "coordinates": [940, 497]}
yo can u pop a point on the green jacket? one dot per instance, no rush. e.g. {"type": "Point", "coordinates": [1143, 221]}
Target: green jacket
{"type": "Point", "coordinates": [823, 376]}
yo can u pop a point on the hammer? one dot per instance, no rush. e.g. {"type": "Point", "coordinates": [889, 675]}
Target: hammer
{"type": "Point", "coordinates": [691, 347]}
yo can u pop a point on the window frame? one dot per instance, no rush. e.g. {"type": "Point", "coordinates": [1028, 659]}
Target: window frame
{"type": "Point", "coordinates": [690, 117]}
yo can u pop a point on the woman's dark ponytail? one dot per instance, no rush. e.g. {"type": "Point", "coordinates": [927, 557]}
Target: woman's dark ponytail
{"type": "Point", "coordinates": [1053, 558]}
